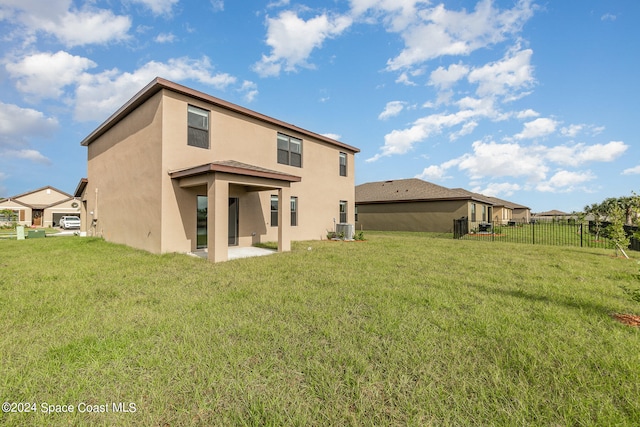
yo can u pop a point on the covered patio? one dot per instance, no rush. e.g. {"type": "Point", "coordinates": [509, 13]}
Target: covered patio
{"type": "Point", "coordinates": [216, 179]}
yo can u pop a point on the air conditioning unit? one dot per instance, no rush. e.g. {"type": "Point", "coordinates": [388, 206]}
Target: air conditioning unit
{"type": "Point", "coordinates": [348, 230]}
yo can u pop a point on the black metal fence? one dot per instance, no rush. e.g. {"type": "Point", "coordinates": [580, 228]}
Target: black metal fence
{"type": "Point", "coordinates": [560, 232]}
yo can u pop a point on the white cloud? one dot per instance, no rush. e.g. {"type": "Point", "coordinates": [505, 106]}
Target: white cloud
{"type": "Point", "coordinates": [436, 31]}
{"type": "Point", "coordinates": [392, 109]}
{"type": "Point", "coordinates": [466, 129]}
{"type": "Point", "coordinates": [79, 28]}
{"type": "Point", "coordinates": [250, 90]}
{"type": "Point", "coordinates": [496, 189]}
{"type": "Point", "coordinates": [608, 17]}
{"type": "Point", "coordinates": [46, 74]}
{"type": "Point", "coordinates": [565, 181]}
{"type": "Point", "coordinates": [332, 136]}
{"type": "Point", "coordinates": [71, 26]}
{"type": "Point", "coordinates": [505, 77]}
{"type": "Point", "coordinates": [527, 114]}
{"type": "Point", "coordinates": [17, 124]}
{"type": "Point", "coordinates": [27, 154]}
{"type": "Point", "coordinates": [433, 173]}
{"type": "Point", "coordinates": [165, 38]}
{"type": "Point", "coordinates": [537, 128]}
{"type": "Point", "coordinates": [632, 171]}
{"type": "Point", "coordinates": [217, 5]}
{"type": "Point", "coordinates": [292, 39]}
{"type": "Point", "coordinates": [402, 141]}
{"type": "Point", "coordinates": [405, 79]}
{"type": "Point", "coordinates": [158, 7]}
{"type": "Point", "coordinates": [499, 160]}
{"type": "Point", "coordinates": [571, 131]}
{"type": "Point", "coordinates": [444, 78]}
{"type": "Point", "coordinates": [396, 14]}
{"type": "Point", "coordinates": [98, 96]}
{"type": "Point", "coordinates": [578, 154]}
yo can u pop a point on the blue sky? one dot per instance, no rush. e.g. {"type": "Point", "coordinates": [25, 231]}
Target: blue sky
{"type": "Point", "coordinates": [531, 101]}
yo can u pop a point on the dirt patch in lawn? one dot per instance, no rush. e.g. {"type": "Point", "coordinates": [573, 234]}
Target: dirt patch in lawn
{"type": "Point", "coordinates": [627, 319]}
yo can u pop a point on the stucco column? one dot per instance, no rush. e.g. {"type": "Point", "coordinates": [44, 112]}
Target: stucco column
{"type": "Point", "coordinates": [217, 219]}
{"type": "Point", "coordinates": [284, 219]}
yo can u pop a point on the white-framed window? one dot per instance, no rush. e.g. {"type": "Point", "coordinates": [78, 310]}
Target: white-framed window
{"type": "Point", "coordinates": [198, 127]}
{"type": "Point", "coordinates": [343, 164]}
{"type": "Point", "coordinates": [289, 150]}
{"type": "Point", "coordinates": [343, 211]}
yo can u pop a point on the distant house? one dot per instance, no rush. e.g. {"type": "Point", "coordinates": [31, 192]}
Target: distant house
{"type": "Point", "coordinates": [417, 205]}
{"type": "Point", "coordinates": [553, 215]}
{"type": "Point", "coordinates": [178, 170]}
{"type": "Point", "coordinates": [40, 208]}
{"type": "Point", "coordinates": [505, 211]}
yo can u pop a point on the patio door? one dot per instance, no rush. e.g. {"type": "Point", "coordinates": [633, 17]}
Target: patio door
{"type": "Point", "coordinates": [201, 223]}
{"type": "Point", "coordinates": [234, 209]}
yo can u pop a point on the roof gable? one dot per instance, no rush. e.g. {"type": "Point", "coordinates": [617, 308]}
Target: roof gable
{"type": "Point", "coordinates": [42, 197]}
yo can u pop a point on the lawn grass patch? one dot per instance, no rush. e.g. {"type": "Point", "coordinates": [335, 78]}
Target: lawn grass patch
{"type": "Point", "coordinates": [402, 329]}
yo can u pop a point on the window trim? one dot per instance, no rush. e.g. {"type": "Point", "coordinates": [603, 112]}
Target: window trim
{"type": "Point", "coordinates": [343, 167]}
{"type": "Point", "coordinates": [289, 139]}
{"type": "Point", "coordinates": [344, 214]}
{"type": "Point", "coordinates": [192, 109]}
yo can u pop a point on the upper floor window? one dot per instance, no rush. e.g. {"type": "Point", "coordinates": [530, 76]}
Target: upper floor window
{"type": "Point", "coordinates": [198, 127]}
{"type": "Point", "coordinates": [289, 150]}
{"type": "Point", "coordinates": [343, 164]}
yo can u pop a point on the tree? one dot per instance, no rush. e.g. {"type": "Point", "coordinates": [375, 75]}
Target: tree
{"type": "Point", "coordinates": [599, 213]}
{"type": "Point", "coordinates": [617, 233]}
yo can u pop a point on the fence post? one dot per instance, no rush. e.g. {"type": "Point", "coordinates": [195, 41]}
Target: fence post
{"type": "Point", "coordinates": [533, 232]}
{"type": "Point", "coordinates": [581, 231]}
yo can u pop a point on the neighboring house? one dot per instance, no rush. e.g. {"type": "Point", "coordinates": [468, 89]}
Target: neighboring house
{"type": "Point", "coordinates": [553, 215]}
{"type": "Point", "coordinates": [505, 211]}
{"type": "Point", "coordinates": [417, 205]}
{"type": "Point", "coordinates": [177, 170]}
{"type": "Point", "coordinates": [40, 208]}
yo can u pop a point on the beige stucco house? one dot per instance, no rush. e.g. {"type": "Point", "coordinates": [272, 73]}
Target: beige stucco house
{"type": "Point", "coordinates": [40, 208]}
{"type": "Point", "coordinates": [503, 211]}
{"type": "Point", "coordinates": [177, 170]}
{"type": "Point", "coordinates": [417, 205]}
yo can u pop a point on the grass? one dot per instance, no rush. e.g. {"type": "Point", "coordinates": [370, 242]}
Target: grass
{"type": "Point", "coordinates": [402, 329]}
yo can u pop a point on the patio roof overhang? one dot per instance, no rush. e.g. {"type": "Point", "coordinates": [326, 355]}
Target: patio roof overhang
{"type": "Point", "coordinates": [255, 178]}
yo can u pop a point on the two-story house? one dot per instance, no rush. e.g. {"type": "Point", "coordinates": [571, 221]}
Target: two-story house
{"type": "Point", "coordinates": [176, 170]}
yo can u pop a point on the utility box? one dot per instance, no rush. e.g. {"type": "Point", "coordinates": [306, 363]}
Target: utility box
{"type": "Point", "coordinates": [35, 234]}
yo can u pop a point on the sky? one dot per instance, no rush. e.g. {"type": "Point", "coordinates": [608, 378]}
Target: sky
{"type": "Point", "coordinates": [531, 101]}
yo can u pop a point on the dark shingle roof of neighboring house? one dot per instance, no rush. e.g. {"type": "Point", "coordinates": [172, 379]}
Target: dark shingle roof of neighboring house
{"type": "Point", "coordinates": [496, 201]}
{"type": "Point", "coordinates": [410, 190]}
{"type": "Point", "coordinates": [552, 213]}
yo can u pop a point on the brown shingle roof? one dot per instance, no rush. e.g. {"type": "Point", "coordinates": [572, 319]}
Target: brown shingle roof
{"type": "Point", "coordinates": [405, 190]}
{"type": "Point", "coordinates": [495, 201]}
{"type": "Point", "coordinates": [235, 167]}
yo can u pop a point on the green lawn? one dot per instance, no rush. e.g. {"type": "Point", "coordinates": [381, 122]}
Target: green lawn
{"type": "Point", "coordinates": [402, 329]}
